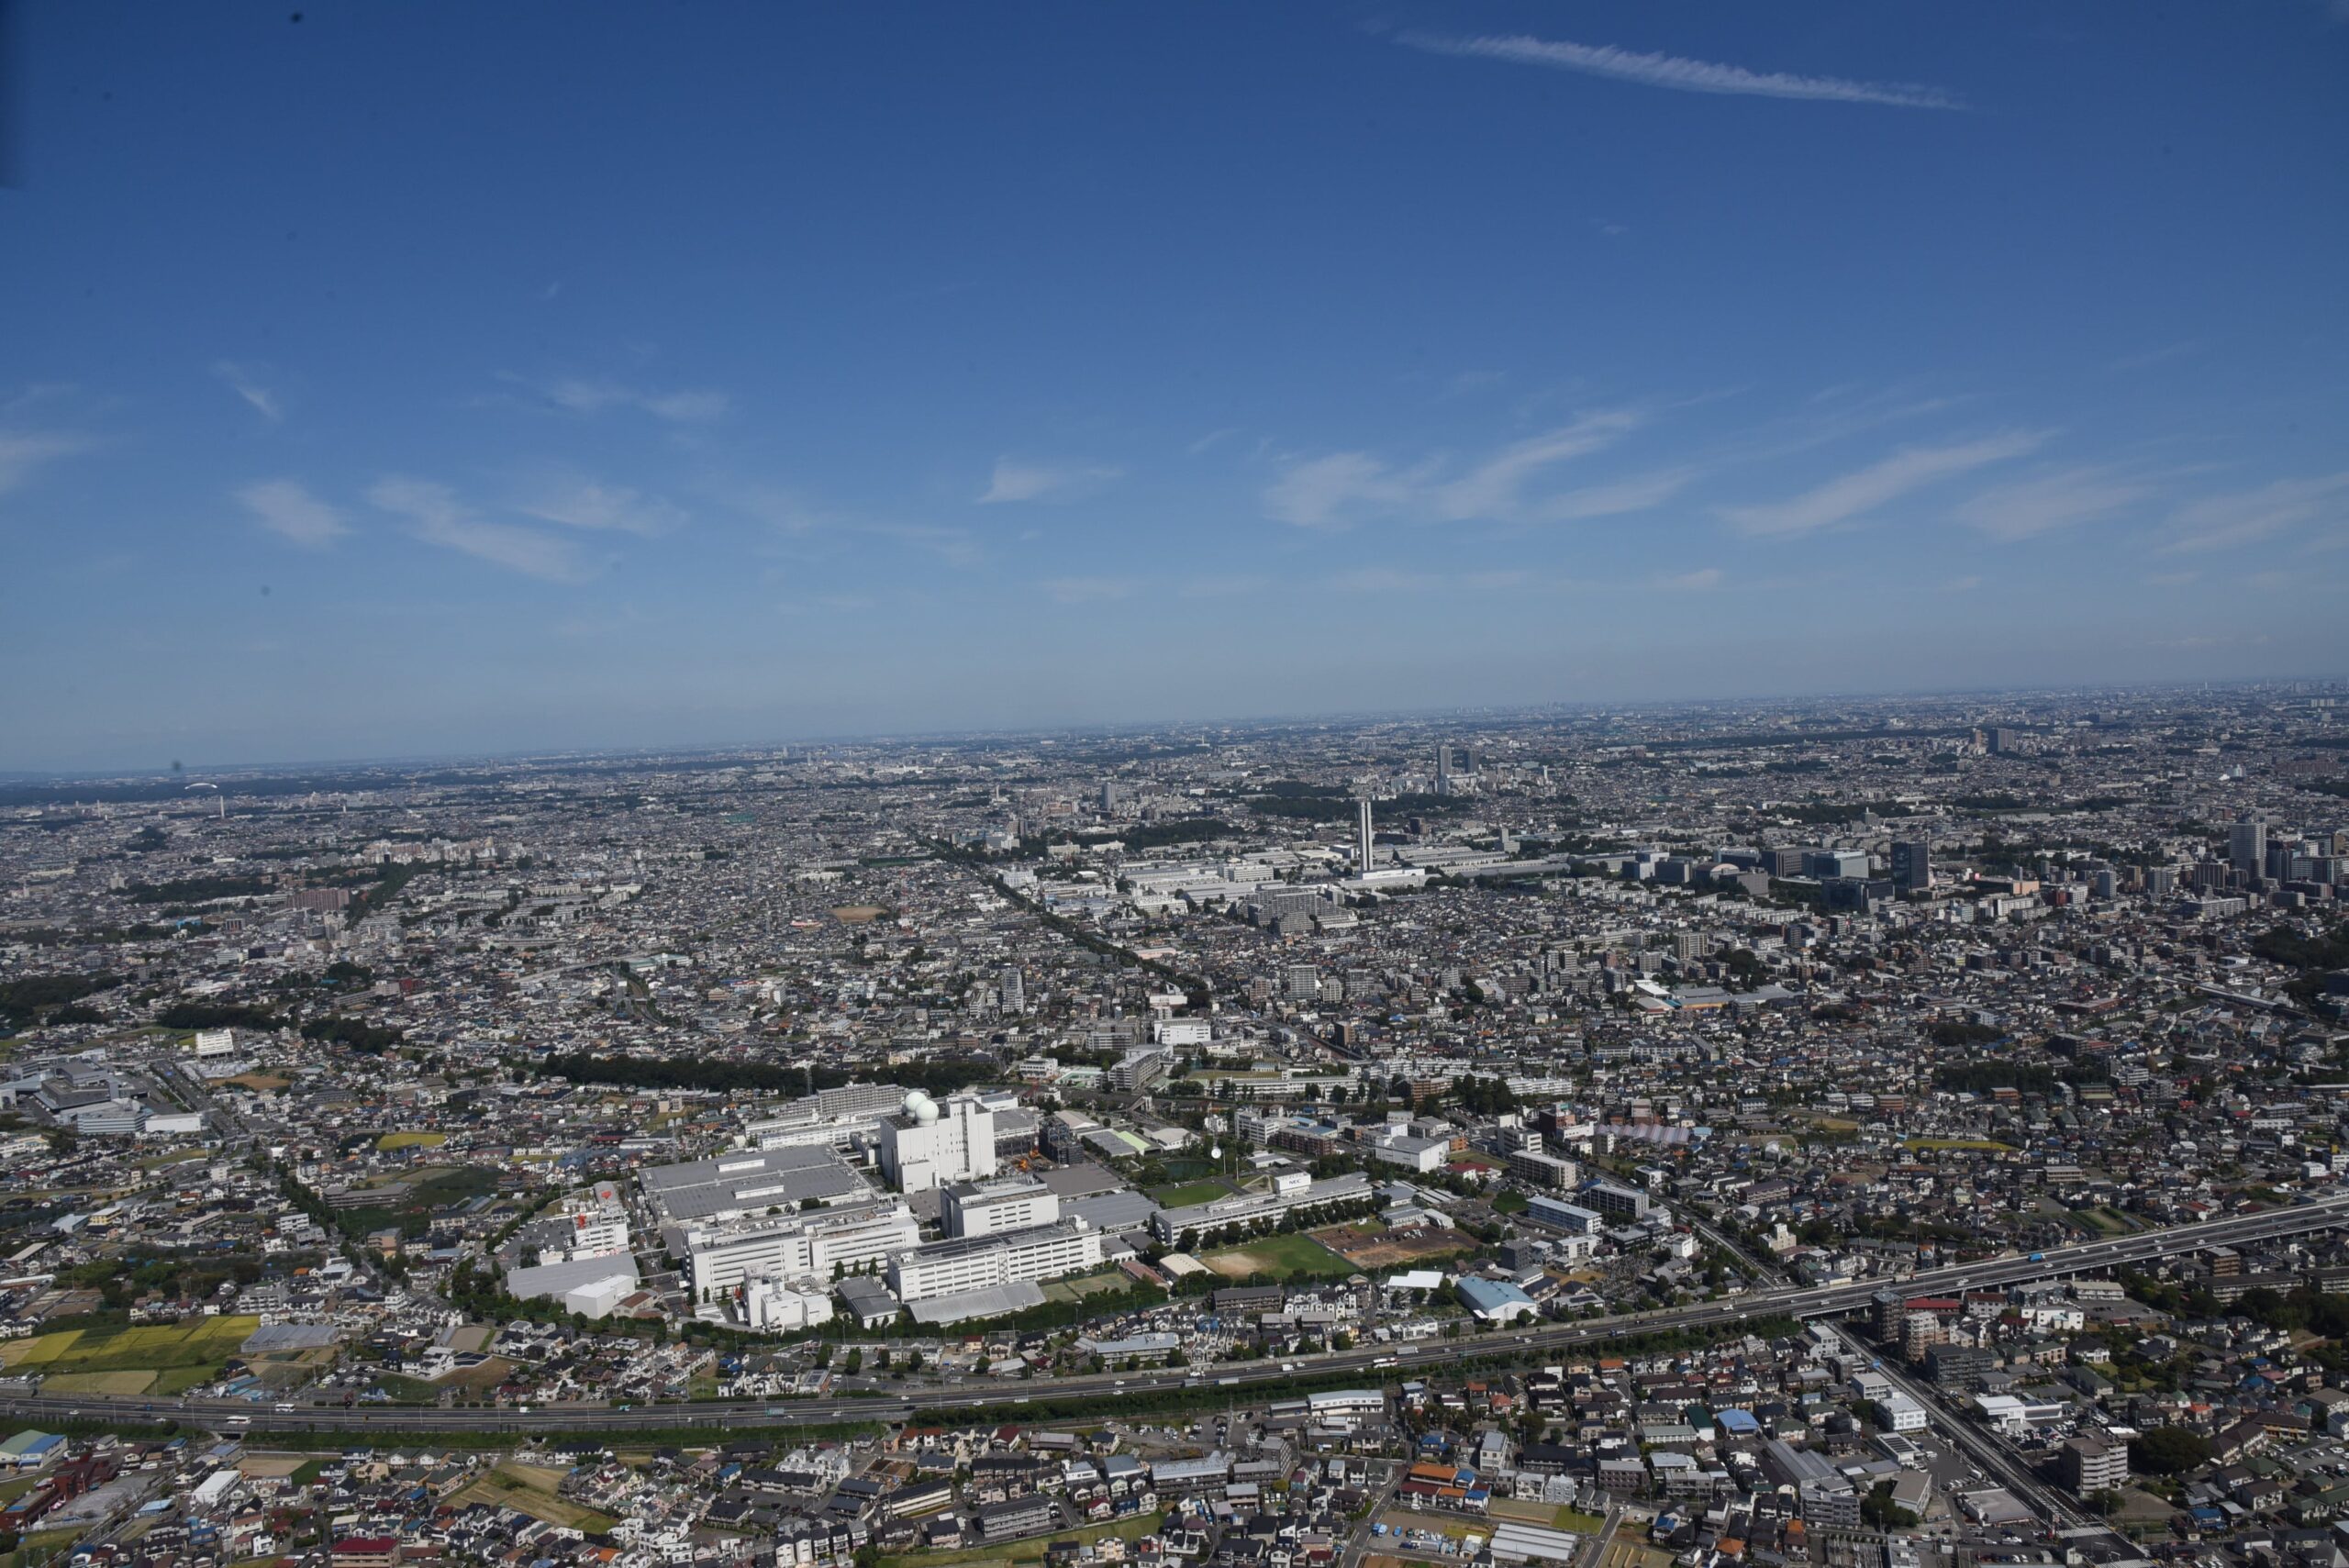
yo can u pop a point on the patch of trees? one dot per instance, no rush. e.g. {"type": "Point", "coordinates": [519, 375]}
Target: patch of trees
{"type": "Point", "coordinates": [2000, 801]}
{"type": "Point", "coordinates": [1979, 1077]}
{"type": "Point", "coordinates": [1949, 1034]}
{"type": "Point", "coordinates": [21, 1001]}
{"type": "Point", "coordinates": [353, 1034]}
{"type": "Point", "coordinates": [938, 1076]}
{"type": "Point", "coordinates": [197, 889]}
{"type": "Point", "coordinates": [1335, 806]}
{"type": "Point", "coordinates": [2168, 1451]}
{"type": "Point", "coordinates": [1485, 1096]}
{"type": "Point", "coordinates": [1178, 830]}
{"type": "Point", "coordinates": [217, 1015]}
{"type": "Point", "coordinates": [2282, 944]}
{"type": "Point", "coordinates": [1815, 811]}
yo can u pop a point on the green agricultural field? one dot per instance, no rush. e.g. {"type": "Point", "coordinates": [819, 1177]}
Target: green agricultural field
{"type": "Point", "coordinates": [202, 1345]}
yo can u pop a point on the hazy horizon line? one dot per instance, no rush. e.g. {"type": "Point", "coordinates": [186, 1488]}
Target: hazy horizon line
{"type": "Point", "coordinates": [1512, 711]}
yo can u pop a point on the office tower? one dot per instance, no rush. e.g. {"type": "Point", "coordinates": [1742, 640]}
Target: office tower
{"type": "Point", "coordinates": [1364, 847]}
{"type": "Point", "coordinates": [2247, 846]}
{"type": "Point", "coordinates": [2005, 742]}
{"type": "Point", "coordinates": [1912, 864]}
{"type": "Point", "coordinates": [1444, 769]}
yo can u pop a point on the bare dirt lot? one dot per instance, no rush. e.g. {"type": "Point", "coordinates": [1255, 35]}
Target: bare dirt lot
{"type": "Point", "coordinates": [1389, 1248]}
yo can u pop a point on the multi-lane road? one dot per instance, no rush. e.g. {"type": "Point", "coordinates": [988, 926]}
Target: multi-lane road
{"type": "Point", "coordinates": [1376, 1363]}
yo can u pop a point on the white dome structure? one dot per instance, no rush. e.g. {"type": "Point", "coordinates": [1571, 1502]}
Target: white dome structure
{"type": "Point", "coordinates": [922, 1108]}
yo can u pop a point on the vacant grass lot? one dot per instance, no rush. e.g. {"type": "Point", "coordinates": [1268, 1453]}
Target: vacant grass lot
{"type": "Point", "coordinates": [391, 1140]}
{"type": "Point", "coordinates": [1189, 1193]}
{"type": "Point", "coordinates": [1076, 1289]}
{"type": "Point", "coordinates": [531, 1489]}
{"type": "Point", "coordinates": [1028, 1550]}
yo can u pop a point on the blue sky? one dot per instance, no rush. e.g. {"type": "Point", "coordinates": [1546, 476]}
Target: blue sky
{"type": "Point", "coordinates": [427, 380]}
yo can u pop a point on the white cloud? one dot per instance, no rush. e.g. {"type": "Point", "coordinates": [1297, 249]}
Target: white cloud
{"type": "Point", "coordinates": [2218, 521]}
{"type": "Point", "coordinates": [1678, 74]}
{"type": "Point", "coordinates": [22, 452]}
{"type": "Point", "coordinates": [586, 394]}
{"type": "Point", "coordinates": [2049, 501]}
{"type": "Point", "coordinates": [1395, 580]}
{"type": "Point", "coordinates": [1319, 493]}
{"type": "Point", "coordinates": [1699, 580]}
{"type": "Point", "coordinates": [1339, 489]}
{"type": "Point", "coordinates": [1490, 491]}
{"type": "Point", "coordinates": [245, 383]}
{"type": "Point", "coordinates": [1966, 585]}
{"type": "Point", "coordinates": [2147, 358]}
{"type": "Point", "coordinates": [291, 513]}
{"type": "Point", "coordinates": [1015, 481]}
{"type": "Point", "coordinates": [437, 517]}
{"type": "Point", "coordinates": [1855, 494]}
{"type": "Point", "coordinates": [789, 512]}
{"type": "Point", "coordinates": [1087, 590]}
{"type": "Point", "coordinates": [584, 504]}
{"type": "Point", "coordinates": [1642, 493]}
{"type": "Point", "coordinates": [1221, 587]}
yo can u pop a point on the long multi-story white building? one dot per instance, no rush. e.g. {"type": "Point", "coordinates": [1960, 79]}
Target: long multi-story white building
{"type": "Point", "coordinates": [976, 1263]}
{"type": "Point", "coordinates": [830, 1119]}
{"type": "Point", "coordinates": [796, 1245]}
{"type": "Point", "coordinates": [1291, 1190]}
{"type": "Point", "coordinates": [928, 1145]}
{"type": "Point", "coordinates": [990, 1208]}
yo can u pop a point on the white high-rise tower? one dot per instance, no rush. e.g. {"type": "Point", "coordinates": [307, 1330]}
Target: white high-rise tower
{"type": "Point", "coordinates": [1364, 849]}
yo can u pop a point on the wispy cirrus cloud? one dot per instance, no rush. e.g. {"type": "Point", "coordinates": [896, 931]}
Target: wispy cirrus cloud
{"type": "Point", "coordinates": [434, 515]}
{"type": "Point", "coordinates": [1677, 72]}
{"type": "Point", "coordinates": [793, 513]}
{"type": "Point", "coordinates": [1338, 490]}
{"type": "Point", "coordinates": [1087, 590]}
{"type": "Point", "coordinates": [1332, 491]}
{"type": "Point", "coordinates": [595, 394]}
{"type": "Point", "coordinates": [2045, 502]}
{"type": "Point", "coordinates": [246, 381]}
{"type": "Point", "coordinates": [1642, 493]}
{"type": "Point", "coordinates": [1703, 580]}
{"type": "Point", "coordinates": [1493, 488]}
{"type": "Point", "coordinates": [288, 511]}
{"type": "Point", "coordinates": [2145, 359]}
{"type": "Point", "coordinates": [2247, 516]}
{"type": "Point", "coordinates": [1853, 496]}
{"type": "Point", "coordinates": [581, 503]}
{"type": "Point", "coordinates": [1397, 580]}
{"type": "Point", "coordinates": [1016, 481]}
{"type": "Point", "coordinates": [1224, 587]}
{"type": "Point", "coordinates": [23, 453]}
